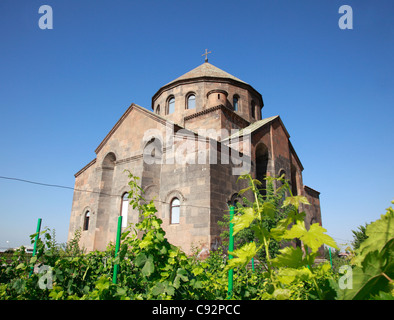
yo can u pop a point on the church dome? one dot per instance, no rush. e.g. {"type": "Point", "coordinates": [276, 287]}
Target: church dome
{"type": "Point", "coordinates": [203, 88]}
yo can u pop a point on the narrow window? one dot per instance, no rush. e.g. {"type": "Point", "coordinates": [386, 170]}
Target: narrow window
{"type": "Point", "coordinates": [175, 210]}
{"type": "Point", "coordinates": [218, 95]}
{"type": "Point", "coordinates": [171, 105]}
{"type": "Point", "coordinates": [294, 180]}
{"type": "Point", "coordinates": [262, 166]}
{"type": "Point", "coordinates": [158, 109]}
{"type": "Point", "coordinates": [125, 209]}
{"type": "Point", "coordinates": [86, 221]}
{"type": "Point", "coordinates": [191, 101]}
{"type": "Point", "coordinates": [253, 110]}
{"type": "Point", "coordinates": [235, 103]}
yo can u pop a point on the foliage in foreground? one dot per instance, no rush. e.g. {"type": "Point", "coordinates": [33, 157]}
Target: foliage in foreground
{"type": "Point", "coordinates": [373, 272]}
{"type": "Point", "coordinates": [152, 268]}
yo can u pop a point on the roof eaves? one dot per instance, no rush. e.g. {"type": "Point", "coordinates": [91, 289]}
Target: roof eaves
{"type": "Point", "coordinates": [313, 190]}
{"type": "Point", "coordinates": [86, 167]}
{"type": "Point", "coordinates": [296, 156]}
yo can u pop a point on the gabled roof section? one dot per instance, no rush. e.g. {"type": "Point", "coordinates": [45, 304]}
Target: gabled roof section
{"type": "Point", "coordinates": [257, 125]}
{"type": "Point", "coordinates": [206, 70]}
{"type": "Point", "coordinates": [260, 124]}
{"type": "Point", "coordinates": [138, 108]}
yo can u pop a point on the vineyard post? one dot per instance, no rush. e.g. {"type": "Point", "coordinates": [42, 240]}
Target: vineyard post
{"type": "Point", "coordinates": [230, 256]}
{"type": "Point", "coordinates": [35, 242]}
{"type": "Point", "coordinates": [116, 267]}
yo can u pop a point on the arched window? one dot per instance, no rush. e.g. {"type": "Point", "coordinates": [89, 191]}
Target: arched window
{"type": "Point", "coordinates": [234, 200]}
{"type": "Point", "coordinates": [171, 105]}
{"type": "Point", "coordinates": [153, 151]}
{"type": "Point", "coordinates": [191, 101]}
{"type": "Point", "coordinates": [158, 109]}
{"type": "Point", "coordinates": [124, 209]}
{"type": "Point", "coordinates": [235, 103]}
{"type": "Point", "coordinates": [282, 173]}
{"type": "Point", "coordinates": [86, 221]}
{"type": "Point", "coordinates": [175, 209]}
{"type": "Point", "coordinates": [109, 161]}
{"type": "Point", "coordinates": [107, 177]}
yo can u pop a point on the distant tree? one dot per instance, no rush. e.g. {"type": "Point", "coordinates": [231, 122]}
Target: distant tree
{"type": "Point", "coordinates": [359, 236]}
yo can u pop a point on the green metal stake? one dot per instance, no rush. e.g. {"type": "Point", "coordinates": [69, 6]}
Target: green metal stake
{"type": "Point", "coordinates": [252, 262]}
{"type": "Point", "coordinates": [230, 256]}
{"type": "Point", "coordinates": [116, 267]}
{"type": "Point", "coordinates": [35, 242]}
{"type": "Point", "coordinates": [329, 250]}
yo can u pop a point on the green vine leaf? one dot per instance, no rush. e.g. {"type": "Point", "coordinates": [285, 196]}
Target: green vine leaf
{"type": "Point", "coordinates": [295, 201]}
{"type": "Point", "coordinates": [243, 254]}
{"type": "Point", "coordinates": [103, 283]}
{"type": "Point", "coordinates": [147, 263]}
{"type": "Point", "coordinates": [289, 275]}
{"type": "Point", "coordinates": [268, 210]}
{"type": "Point", "coordinates": [373, 275]}
{"type": "Point", "coordinates": [281, 294]}
{"type": "Point", "coordinates": [314, 238]}
{"type": "Point", "coordinates": [149, 267]}
{"type": "Point", "coordinates": [379, 233]}
{"type": "Point", "coordinates": [243, 221]}
{"type": "Point", "coordinates": [162, 288]}
{"type": "Point", "coordinates": [180, 275]}
{"type": "Point", "coordinates": [290, 257]}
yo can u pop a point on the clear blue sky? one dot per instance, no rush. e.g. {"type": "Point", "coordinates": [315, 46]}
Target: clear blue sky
{"type": "Point", "coordinates": [62, 90]}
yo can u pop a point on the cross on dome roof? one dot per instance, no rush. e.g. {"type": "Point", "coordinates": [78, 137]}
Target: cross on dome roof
{"type": "Point", "coordinates": [206, 54]}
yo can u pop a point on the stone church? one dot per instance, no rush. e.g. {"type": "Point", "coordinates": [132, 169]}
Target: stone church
{"type": "Point", "coordinates": [204, 129]}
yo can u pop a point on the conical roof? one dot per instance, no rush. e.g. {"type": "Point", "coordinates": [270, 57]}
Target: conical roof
{"type": "Point", "coordinates": [206, 70]}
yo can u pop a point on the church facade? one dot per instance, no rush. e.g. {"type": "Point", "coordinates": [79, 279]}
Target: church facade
{"type": "Point", "coordinates": [204, 129]}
